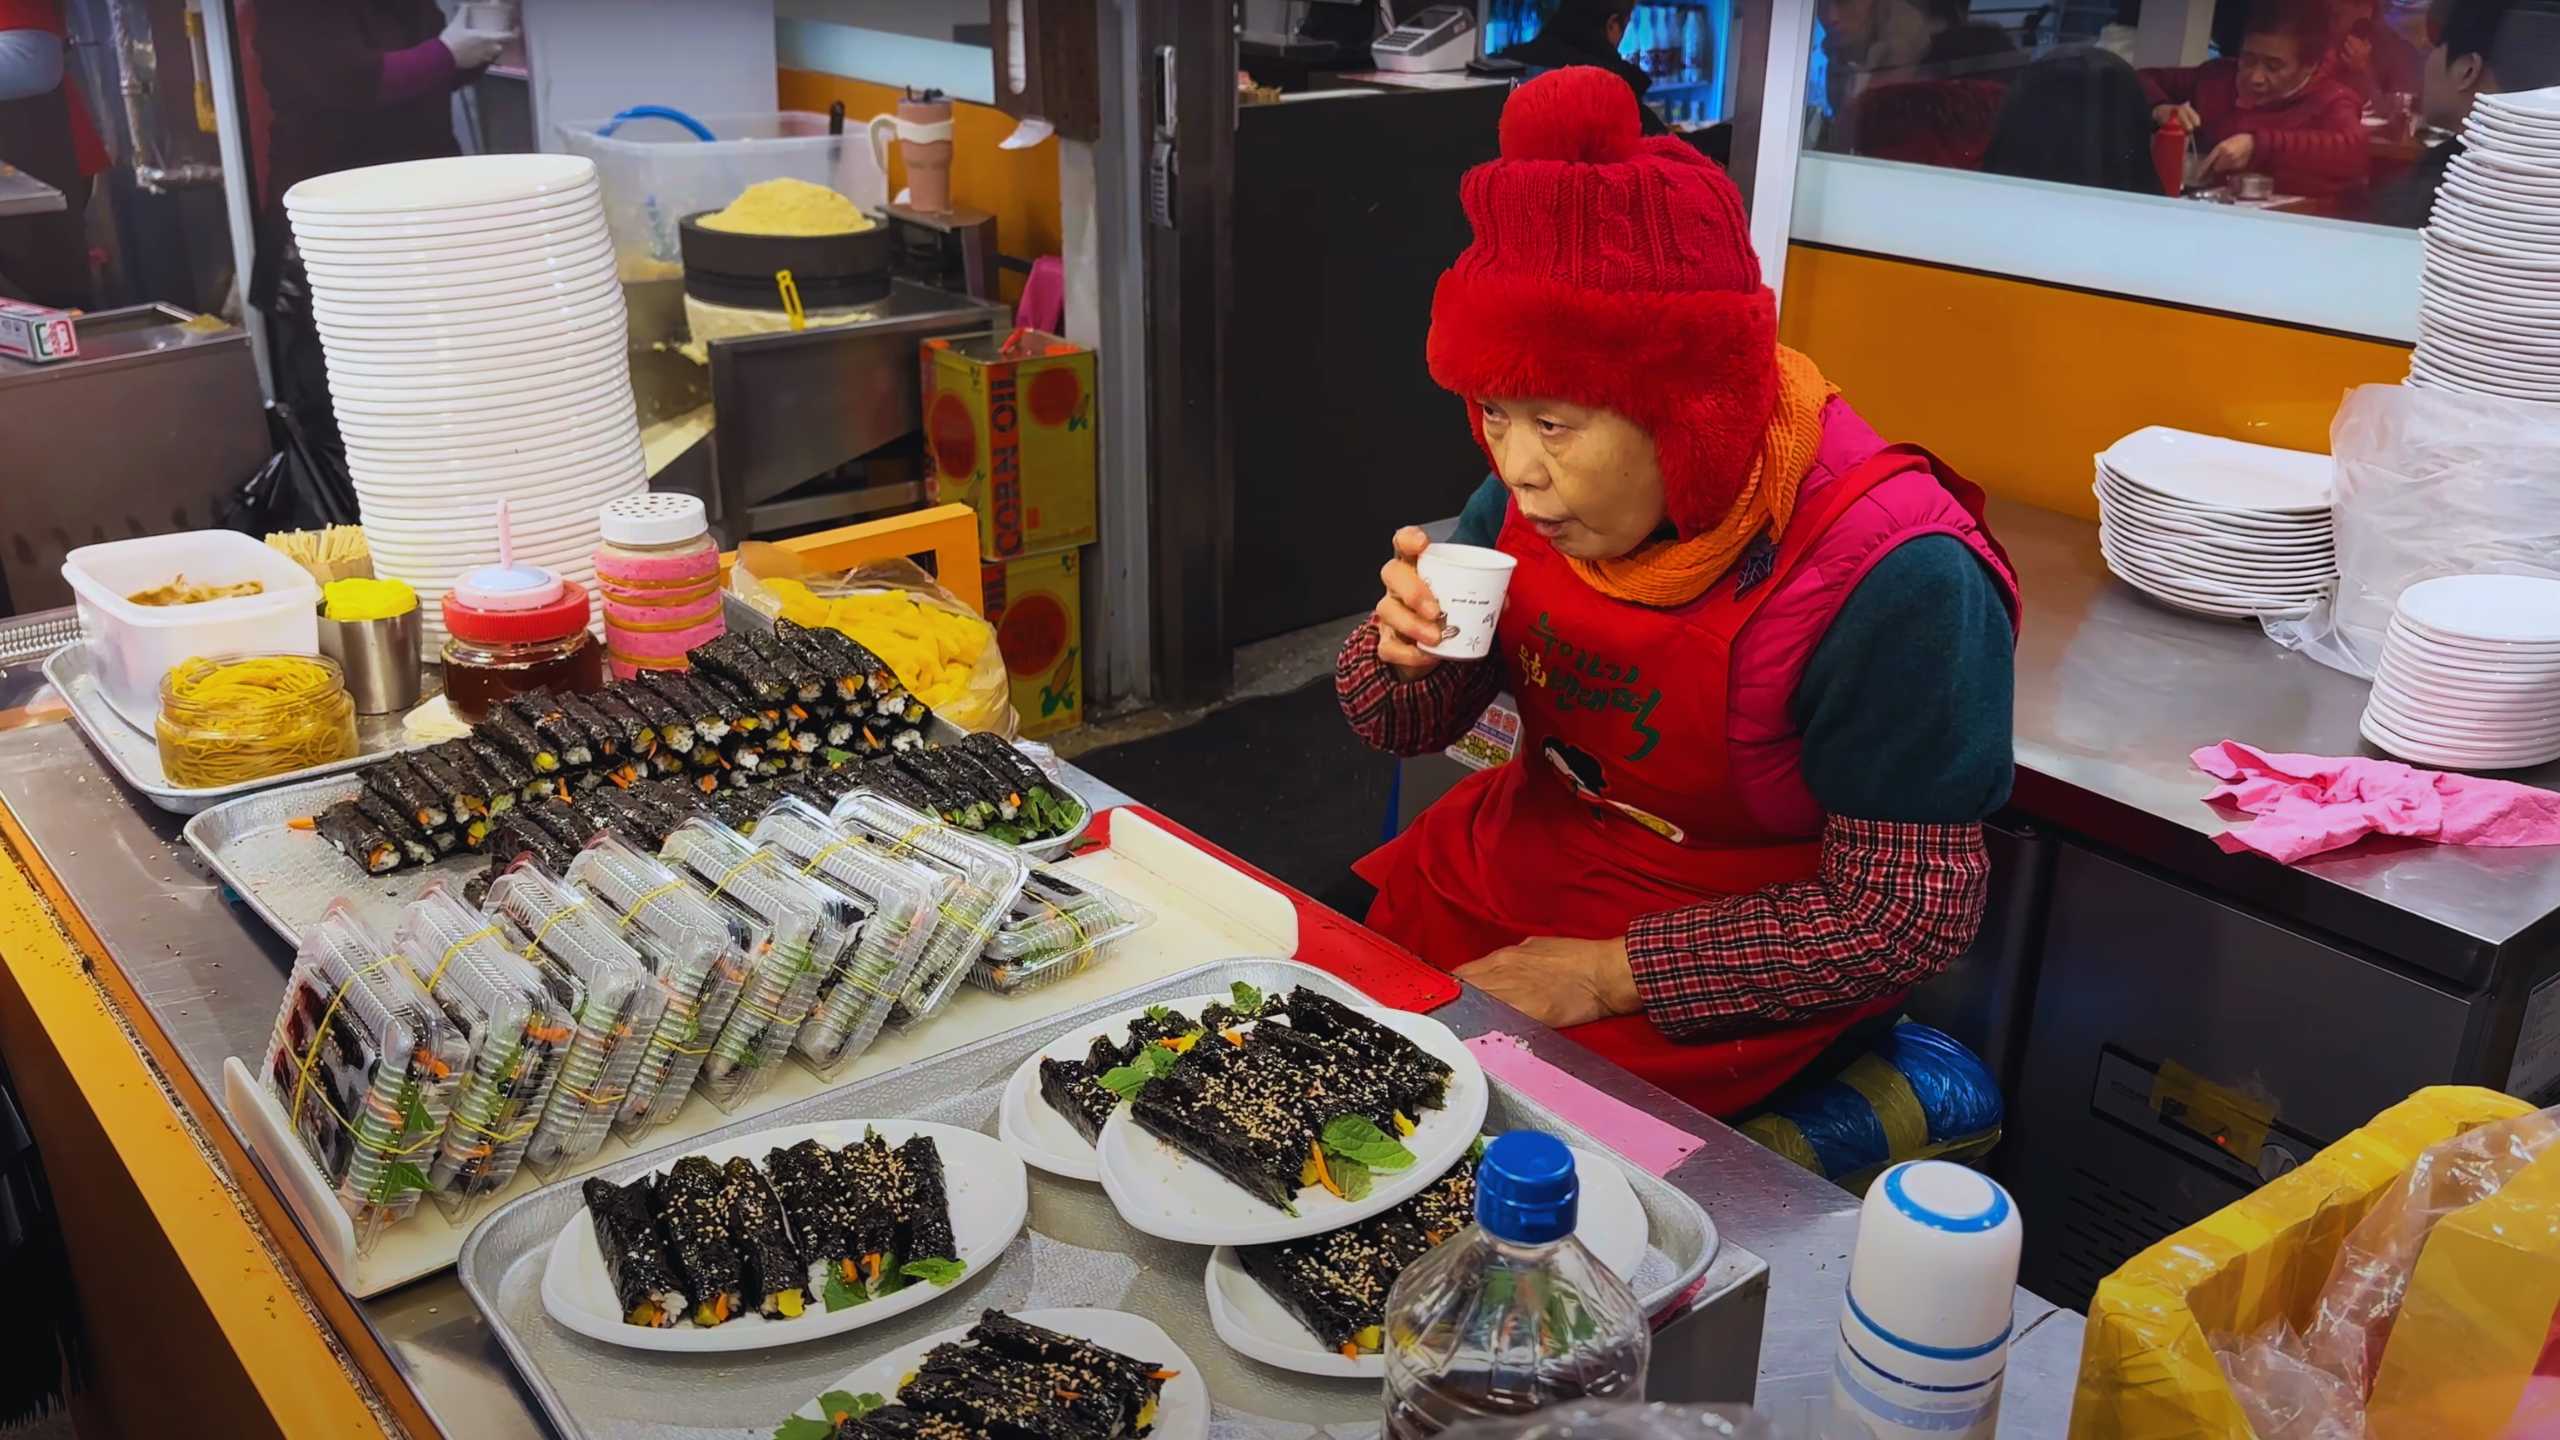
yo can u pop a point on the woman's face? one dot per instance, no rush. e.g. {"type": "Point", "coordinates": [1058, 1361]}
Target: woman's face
{"type": "Point", "coordinates": [1586, 479]}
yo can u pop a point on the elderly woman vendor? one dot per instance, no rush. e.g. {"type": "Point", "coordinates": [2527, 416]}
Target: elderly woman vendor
{"type": "Point", "coordinates": [1762, 658]}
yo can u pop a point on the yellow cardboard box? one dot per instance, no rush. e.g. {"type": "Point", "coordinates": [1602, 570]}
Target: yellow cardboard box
{"type": "Point", "coordinates": [1011, 436]}
{"type": "Point", "coordinates": [1036, 604]}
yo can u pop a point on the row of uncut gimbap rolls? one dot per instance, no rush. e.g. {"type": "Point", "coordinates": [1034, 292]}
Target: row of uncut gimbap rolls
{"type": "Point", "coordinates": [814, 1227]}
{"type": "Point", "coordinates": [756, 710]}
{"type": "Point", "coordinates": [1009, 1380]}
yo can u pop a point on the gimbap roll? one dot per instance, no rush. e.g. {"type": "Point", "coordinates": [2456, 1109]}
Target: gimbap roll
{"type": "Point", "coordinates": [503, 765]}
{"type": "Point", "coordinates": [415, 844]}
{"type": "Point", "coordinates": [692, 1204]}
{"type": "Point", "coordinates": [926, 1228]}
{"type": "Point", "coordinates": [773, 1270]}
{"type": "Point", "coordinates": [604, 737]}
{"type": "Point", "coordinates": [495, 794]}
{"type": "Point", "coordinates": [816, 1204]}
{"type": "Point", "coordinates": [400, 783]}
{"type": "Point", "coordinates": [635, 733]}
{"type": "Point", "coordinates": [644, 1275]}
{"type": "Point", "coordinates": [509, 728]}
{"type": "Point", "coordinates": [741, 709]}
{"type": "Point", "coordinates": [842, 679]}
{"type": "Point", "coordinates": [564, 738]}
{"type": "Point", "coordinates": [732, 659]}
{"type": "Point", "coordinates": [671, 722]}
{"type": "Point", "coordinates": [1133, 1382]}
{"type": "Point", "coordinates": [455, 793]}
{"type": "Point", "coordinates": [883, 776]}
{"type": "Point", "coordinates": [516, 835]}
{"type": "Point", "coordinates": [801, 680]}
{"type": "Point", "coordinates": [356, 836]}
{"type": "Point", "coordinates": [710, 712]}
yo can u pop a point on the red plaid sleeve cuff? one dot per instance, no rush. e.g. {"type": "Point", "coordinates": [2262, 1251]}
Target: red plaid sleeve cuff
{"type": "Point", "coordinates": [1893, 904]}
{"type": "Point", "coordinates": [1409, 717]}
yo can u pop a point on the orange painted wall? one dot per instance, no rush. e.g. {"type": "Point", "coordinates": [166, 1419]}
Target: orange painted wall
{"type": "Point", "coordinates": [2018, 384]}
{"type": "Point", "coordinates": [1018, 187]}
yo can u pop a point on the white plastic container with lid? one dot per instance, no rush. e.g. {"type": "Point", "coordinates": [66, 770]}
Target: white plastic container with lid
{"type": "Point", "coordinates": [657, 170]}
{"type": "Point", "coordinates": [132, 646]}
{"type": "Point", "coordinates": [1924, 1327]}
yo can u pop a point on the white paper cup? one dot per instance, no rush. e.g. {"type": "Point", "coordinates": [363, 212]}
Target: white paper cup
{"type": "Point", "coordinates": [1469, 581]}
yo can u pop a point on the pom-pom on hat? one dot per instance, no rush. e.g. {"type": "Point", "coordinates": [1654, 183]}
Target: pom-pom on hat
{"type": "Point", "coordinates": [1613, 271]}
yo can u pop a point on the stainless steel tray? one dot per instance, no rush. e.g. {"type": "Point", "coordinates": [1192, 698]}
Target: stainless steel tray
{"type": "Point", "coordinates": [135, 756]}
{"type": "Point", "coordinates": [1074, 1251]}
{"type": "Point", "coordinates": [287, 877]}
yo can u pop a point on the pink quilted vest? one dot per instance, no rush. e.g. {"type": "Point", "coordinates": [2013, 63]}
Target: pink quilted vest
{"type": "Point", "coordinates": [1770, 653]}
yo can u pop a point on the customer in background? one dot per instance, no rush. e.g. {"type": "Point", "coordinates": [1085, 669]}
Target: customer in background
{"type": "Point", "coordinates": [333, 85]}
{"type": "Point", "coordinates": [1913, 80]}
{"type": "Point", "coordinates": [2368, 56]}
{"type": "Point", "coordinates": [2487, 46]}
{"type": "Point", "coordinates": [1588, 32]}
{"type": "Point", "coordinates": [45, 130]}
{"type": "Point", "coordinates": [2077, 118]}
{"type": "Point", "coordinates": [2269, 109]}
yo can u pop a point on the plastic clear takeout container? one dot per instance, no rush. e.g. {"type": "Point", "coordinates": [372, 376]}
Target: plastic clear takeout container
{"type": "Point", "coordinates": [897, 899]}
{"type": "Point", "coordinates": [1055, 928]}
{"type": "Point", "coordinates": [756, 885]}
{"type": "Point", "coordinates": [700, 956]}
{"type": "Point", "coordinates": [132, 646]}
{"type": "Point", "coordinates": [517, 1038]}
{"type": "Point", "coordinates": [364, 1067]}
{"type": "Point", "coordinates": [989, 877]}
{"type": "Point", "coordinates": [558, 929]}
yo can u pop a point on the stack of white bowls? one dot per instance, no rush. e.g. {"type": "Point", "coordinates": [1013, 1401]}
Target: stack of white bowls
{"type": "Point", "coordinates": [2489, 304]}
{"type": "Point", "coordinates": [2216, 527]}
{"type": "Point", "coordinates": [2470, 674]}
{"type": "Point", "coordinates": [476, 346]}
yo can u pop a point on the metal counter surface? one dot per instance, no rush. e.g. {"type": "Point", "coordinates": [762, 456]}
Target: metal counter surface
{"type": "Point", "coordinates": [24, 194]}
{"type": "Point", "coordinates": [2114, 691]}
{"type": "Point", "coordinates": [209, 974]}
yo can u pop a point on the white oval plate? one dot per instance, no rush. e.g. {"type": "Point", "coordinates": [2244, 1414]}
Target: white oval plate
{"type": "Point", "coordinates": [989, 1192]}
{"type": "Point", "coordinates": [2215, 473]}
{"type": "Point", "coordinates": [1166, 1193]}
{"type": "Point", "coordinates": [1038, 1133]}
{"type": "Point", "coordinates": [1182, 1410]}
{"type": "Point", "coordinates": [1611, 1225]}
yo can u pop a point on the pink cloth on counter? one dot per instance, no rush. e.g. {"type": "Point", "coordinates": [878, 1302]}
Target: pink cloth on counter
{"type": "Point", "coordinates": [2307, 804]}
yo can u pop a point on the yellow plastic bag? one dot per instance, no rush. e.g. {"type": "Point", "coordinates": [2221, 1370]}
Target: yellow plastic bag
{"type": "Point", "coordinates": [941, 649]}
{"type": "Point", "coordinates": [2148, 1370]}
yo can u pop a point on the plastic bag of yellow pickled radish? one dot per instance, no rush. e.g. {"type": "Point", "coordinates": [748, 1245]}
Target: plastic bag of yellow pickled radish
{"type": "Point", "coordinates": [942, 650]}
{"type": "Point", "coordinates": [2341, 1301]}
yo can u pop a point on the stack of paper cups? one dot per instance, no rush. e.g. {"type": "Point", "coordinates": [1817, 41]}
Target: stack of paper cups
{"type": "Point", "coordinates": [1924, 1329]}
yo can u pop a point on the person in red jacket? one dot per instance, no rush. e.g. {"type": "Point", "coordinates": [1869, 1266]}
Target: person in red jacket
{"type": "Point", "coordinates": [2270, 109]}
{"type": "Point", "coordinates": [46, 131]}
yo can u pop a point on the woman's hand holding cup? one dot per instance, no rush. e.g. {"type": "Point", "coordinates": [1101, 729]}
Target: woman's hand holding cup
{"type": "Point", "coordinates": [1409, 616]}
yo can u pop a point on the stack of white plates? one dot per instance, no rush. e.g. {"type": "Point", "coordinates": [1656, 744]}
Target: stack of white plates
{"type": "Point", "coordinates": [476, 346]}
{"type": "Point", "coordinates": [2489, 306]}
{"type": "Point", "coordinates": [2470, 674]}
{"type": "Point", "coordinates": [2216, 527]}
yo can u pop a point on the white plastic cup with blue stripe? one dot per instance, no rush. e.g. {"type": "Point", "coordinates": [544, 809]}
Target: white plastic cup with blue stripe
{"type": "Point", "coordinates": [1924, 1328]}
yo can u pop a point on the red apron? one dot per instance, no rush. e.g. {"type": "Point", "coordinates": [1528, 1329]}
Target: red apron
{"type": "Point", "coordinates": [1618, 804]}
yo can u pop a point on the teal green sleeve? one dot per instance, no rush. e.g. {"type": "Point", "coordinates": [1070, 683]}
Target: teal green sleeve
{"type": "Point", "coordinates": [1905, 703]}
{"type": "Point", "coordinates": [1481, 522]}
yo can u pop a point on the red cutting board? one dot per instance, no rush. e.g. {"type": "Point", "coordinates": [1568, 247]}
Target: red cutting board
{"type": "Point", "coordinates": [1327, 939]}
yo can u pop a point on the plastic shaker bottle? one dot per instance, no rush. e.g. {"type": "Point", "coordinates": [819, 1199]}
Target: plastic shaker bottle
{"type": "Point", "coordinates": [658, 575]}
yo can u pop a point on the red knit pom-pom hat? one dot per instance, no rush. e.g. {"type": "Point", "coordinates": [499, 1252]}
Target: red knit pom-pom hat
{"type": "Point", "coordinates": [1613, 271]}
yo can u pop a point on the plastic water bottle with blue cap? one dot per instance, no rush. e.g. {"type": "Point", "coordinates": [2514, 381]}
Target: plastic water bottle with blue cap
{"type": "Point", "coordinates": [1511, 1314]}
{"type": "Point", "coordinates": [1924, 1327]}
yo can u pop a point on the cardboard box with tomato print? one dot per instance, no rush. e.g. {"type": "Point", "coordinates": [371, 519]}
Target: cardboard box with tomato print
{"type": "Point", "coordinates": [1036, 603]}
{"type": "Point", "coordinates": [1009, 425]}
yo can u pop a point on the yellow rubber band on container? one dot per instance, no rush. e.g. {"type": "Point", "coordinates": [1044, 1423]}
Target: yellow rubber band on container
{"type": "Point", "coordinates": [647, 898]}
{"type": "Point", "coordinates": [540, 935]}
{"type": "Point", "coordinates": [486, 932]}
{"type": "Point", "coordinates": [827, 850]}
{"type": "Point", "coordinates": [742, 867]}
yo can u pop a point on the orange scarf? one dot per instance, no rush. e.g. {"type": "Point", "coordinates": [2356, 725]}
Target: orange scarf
{"type": "Point", "coordinates": [1664, 573]}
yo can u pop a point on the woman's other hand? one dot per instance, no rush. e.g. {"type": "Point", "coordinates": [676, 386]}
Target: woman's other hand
{"type": "Point", "coordinates": [1559, 982]}
{"type": "Point", "coordinates": [1408, 616]}
{"type": "Point", "coordinates": [473, 48]}
{"type": "Point", "coordinates": [2232, 156]}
